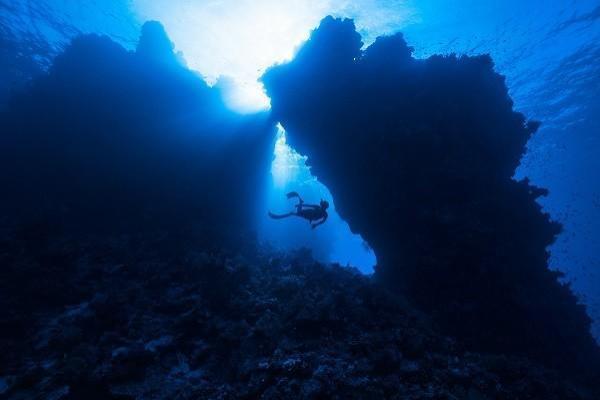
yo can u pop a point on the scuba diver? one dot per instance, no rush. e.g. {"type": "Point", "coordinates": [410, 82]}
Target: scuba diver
{"type": "Point", "coordinates": [310, 212]}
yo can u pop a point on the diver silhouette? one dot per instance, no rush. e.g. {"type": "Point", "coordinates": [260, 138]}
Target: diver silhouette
{"type": "Point", "coordinates": [310, 212]}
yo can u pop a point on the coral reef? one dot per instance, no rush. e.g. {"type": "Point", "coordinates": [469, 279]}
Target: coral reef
{"type": "Point", "coordinates": [155, 316]}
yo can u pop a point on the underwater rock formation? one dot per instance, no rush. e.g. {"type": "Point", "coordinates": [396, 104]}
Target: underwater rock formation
{"type": "Point", "coordinates": [117, 140]}
{"type": "Point", "coordinates": [419, 156]}
{"type": "Point", "coordinates": [128, 273]}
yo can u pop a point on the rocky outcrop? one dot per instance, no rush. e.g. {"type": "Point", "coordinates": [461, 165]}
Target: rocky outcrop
{"type": "Point", "coordinates": [419, 156]}
{"type": "Point", "coordinates": [116, 140]}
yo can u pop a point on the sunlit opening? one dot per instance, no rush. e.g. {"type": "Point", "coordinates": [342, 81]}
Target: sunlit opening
{"type": "Point", "coordinates": [240, 39]}
{"type": "Point", "coordinates": [287, 163]}
{"type": "Point", "coordinates": [246, 97]}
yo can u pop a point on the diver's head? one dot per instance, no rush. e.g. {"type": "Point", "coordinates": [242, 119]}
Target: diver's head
{"type": "Point", "coordinates": [324, 204]}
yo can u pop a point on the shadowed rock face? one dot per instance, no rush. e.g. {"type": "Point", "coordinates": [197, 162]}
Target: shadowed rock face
{"type": "Point", "coordinates": [419, 155]}
{"type": "Point", "coordinates": [113, 140]}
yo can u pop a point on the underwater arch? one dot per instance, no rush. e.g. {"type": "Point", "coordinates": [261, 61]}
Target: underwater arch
{"type": "Point", "coordinates": [331, 242]}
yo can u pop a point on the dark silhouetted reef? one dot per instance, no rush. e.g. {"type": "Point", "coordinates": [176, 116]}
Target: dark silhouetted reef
{"type": "Point", "coordinates": [419, 156]}
{"type": "Point", "coordinates": [112, 139]}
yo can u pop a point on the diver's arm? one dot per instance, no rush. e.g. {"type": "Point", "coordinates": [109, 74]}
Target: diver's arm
{"type": "Point", "coordinates": [321, 222]}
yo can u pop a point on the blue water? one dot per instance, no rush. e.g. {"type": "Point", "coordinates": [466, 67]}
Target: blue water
{"type": "Point", "coordinates": [548, 51]}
